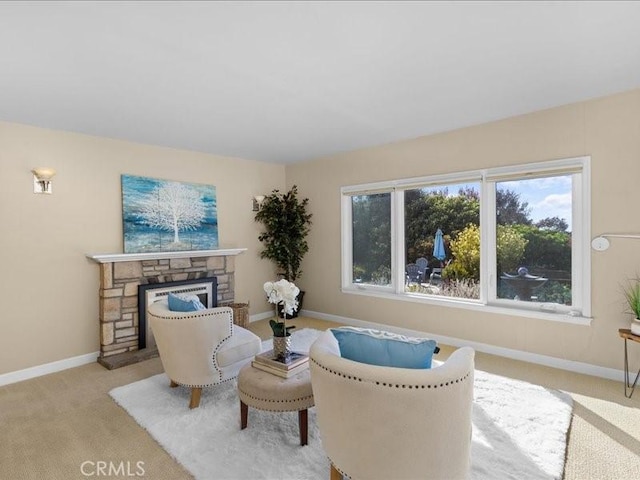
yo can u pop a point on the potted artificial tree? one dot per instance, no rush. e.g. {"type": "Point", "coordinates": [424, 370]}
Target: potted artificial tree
{"type": "Point", "coordinates": [286, 226]}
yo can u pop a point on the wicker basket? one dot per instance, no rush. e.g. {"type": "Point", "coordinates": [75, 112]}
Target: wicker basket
{"type": "Point", "coordinates": [240, 314]}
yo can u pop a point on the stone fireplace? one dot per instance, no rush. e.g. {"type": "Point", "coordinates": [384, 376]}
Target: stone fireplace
{"type": "Point", "coordinates": [122, 274]}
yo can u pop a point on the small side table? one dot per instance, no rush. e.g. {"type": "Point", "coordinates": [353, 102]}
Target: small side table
{"type": "Point", "coordinates": [628, 387]}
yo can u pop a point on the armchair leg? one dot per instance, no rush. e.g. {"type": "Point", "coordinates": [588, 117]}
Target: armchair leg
{"type": "Point", "coordinates": [173, 384]}
{"type": "Point", "coordinates": [195, 397]}
{"type": "Point", "coordinates": [335, 474]}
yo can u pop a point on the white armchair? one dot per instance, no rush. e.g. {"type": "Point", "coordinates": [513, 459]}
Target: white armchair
{"type": "Point", "coordinates": [386, 422]}
{"type": "Point", "coordinates": [202, 348]}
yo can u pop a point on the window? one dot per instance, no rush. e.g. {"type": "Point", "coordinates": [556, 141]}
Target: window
{"type": "Point", "coordinates": [438, 220]}
{"type": "Point", "coordinates": [511, 238]}
{"type": "Point", "coordinates": [533, 240]}
{"type": "Point", "coordinates": [371, 239]}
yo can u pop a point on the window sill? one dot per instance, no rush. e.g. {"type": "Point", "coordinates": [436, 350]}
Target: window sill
{"type": "Point", "coordinates": [469, 305]}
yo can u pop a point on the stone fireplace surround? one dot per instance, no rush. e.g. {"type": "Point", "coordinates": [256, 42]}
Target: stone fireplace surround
{"type": "Point", "coordinates": [120, 276]}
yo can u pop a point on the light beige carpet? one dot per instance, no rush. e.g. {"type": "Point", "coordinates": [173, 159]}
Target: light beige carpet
{"type": "Point", "coordinates": [50, 425]}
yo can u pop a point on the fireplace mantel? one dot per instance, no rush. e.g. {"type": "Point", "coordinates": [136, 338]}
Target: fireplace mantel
{"type": "Point", "coordinates": [133, 257]}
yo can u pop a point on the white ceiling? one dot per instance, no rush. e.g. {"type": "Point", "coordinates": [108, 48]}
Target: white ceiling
{"type": "Point", "coordinates": [290, 81]}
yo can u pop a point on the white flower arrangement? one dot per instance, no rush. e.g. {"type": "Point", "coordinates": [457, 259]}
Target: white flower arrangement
{"type": "Point", "coordinates": [283, 293]}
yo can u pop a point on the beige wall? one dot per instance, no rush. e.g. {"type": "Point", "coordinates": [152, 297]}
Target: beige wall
{"type": "Point", "coordinates": [607, 129]}
{"type": "Point", "coordinates": [44, 238]}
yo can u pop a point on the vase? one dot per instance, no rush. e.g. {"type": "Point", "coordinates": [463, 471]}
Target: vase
{"type": "Point", "coordinates": [281, 347]}
{"type": "Point", "coordinates": [635, 326]}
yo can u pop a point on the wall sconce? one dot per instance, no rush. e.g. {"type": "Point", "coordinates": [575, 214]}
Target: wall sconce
{"type": "Point", "coordinates": [257, 202]}
{"type": "Point", "coordinates": [601, 243]}
{"type": "Point", "coordinates": [42, 179]}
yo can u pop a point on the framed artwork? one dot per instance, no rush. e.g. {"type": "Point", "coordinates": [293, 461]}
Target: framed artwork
{"type": "Point", "coordinates": [165, 216]}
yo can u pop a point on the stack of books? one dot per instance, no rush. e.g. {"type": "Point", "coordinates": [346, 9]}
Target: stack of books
{"type": "Point", "coordinates": [294, 364]}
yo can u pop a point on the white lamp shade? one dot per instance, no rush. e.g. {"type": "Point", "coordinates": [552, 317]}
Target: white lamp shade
{"type": "Point", "coordinates": [44, 173]}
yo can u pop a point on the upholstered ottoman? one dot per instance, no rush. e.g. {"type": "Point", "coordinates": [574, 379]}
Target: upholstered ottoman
{"type": "Point", "coordinates": [265, 391]}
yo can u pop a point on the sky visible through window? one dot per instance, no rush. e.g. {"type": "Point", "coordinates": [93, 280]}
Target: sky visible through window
{"type": "Point", "coordinates": [547, 197]}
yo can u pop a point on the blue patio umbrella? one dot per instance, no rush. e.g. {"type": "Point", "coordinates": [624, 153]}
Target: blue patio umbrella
{"type": "Point", "coordinates": [438, 246]}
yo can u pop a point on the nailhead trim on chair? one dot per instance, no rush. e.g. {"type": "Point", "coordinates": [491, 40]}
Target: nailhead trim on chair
{"type": "Point", "coordinates": [384, 384]}
{"type": "Point", "coordinates": [215, 351]}
{"type": "Point", "coordinates": [207, 385]}
{"type": "Point", "coordinates": [193, 315]}
{"type": "Point", "coordinates": [339, 470]}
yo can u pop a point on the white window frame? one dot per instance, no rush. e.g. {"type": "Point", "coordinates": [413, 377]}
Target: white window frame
{"type": "Point", "coordinates": [347, 241]}
{"type": "Point", "coordinates": [580, 310]}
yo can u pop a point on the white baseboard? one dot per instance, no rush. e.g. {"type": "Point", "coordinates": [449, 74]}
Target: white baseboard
{"type": "Point", "coordinates": [570, 365]}
{"type": "Point", "coordinates": [260, 316]}
{"type": "Point", "coordinates": [39, 370]}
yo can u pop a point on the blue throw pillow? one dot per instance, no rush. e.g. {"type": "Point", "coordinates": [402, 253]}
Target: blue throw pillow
{"type": "Point", "coordinates": [184, 303]}
{"type": "Point", "coordinates": [387, 349]}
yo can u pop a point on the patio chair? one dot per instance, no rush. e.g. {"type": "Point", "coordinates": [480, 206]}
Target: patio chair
{"type": "Point", "coordinates": [423, 267]}
{"type": "Point", "coordinates": [436, 276]}
{"type": "Point", "coordinates": [436, 273]}
{"type": "Point", "coordinates": [413, 274]}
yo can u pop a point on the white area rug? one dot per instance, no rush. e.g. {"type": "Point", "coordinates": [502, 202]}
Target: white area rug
{"type": "Point", "coordinates": [519, 430]}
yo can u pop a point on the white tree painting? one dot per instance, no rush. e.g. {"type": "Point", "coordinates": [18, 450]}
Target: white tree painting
{"type": "Point", "coordinates": [174, 207]}
{"type": "Point", "coordinates": [161, 215]}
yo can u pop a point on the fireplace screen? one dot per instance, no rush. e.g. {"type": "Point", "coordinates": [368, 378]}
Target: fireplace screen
{"type": "Point", "coordinates": [205, 288]}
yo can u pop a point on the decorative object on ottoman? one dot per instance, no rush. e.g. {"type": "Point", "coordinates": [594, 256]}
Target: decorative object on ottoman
{"type": "Point", "coordinates": [186, 341]}
{"type": "Point", "coordinates": [366, 435]}
{"type": "Point", "coordinates": [282, 293]}
{"type": "Point", "coordinates": [286, 226]}
{"type": "Point", "coordinates": [286, 367]}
